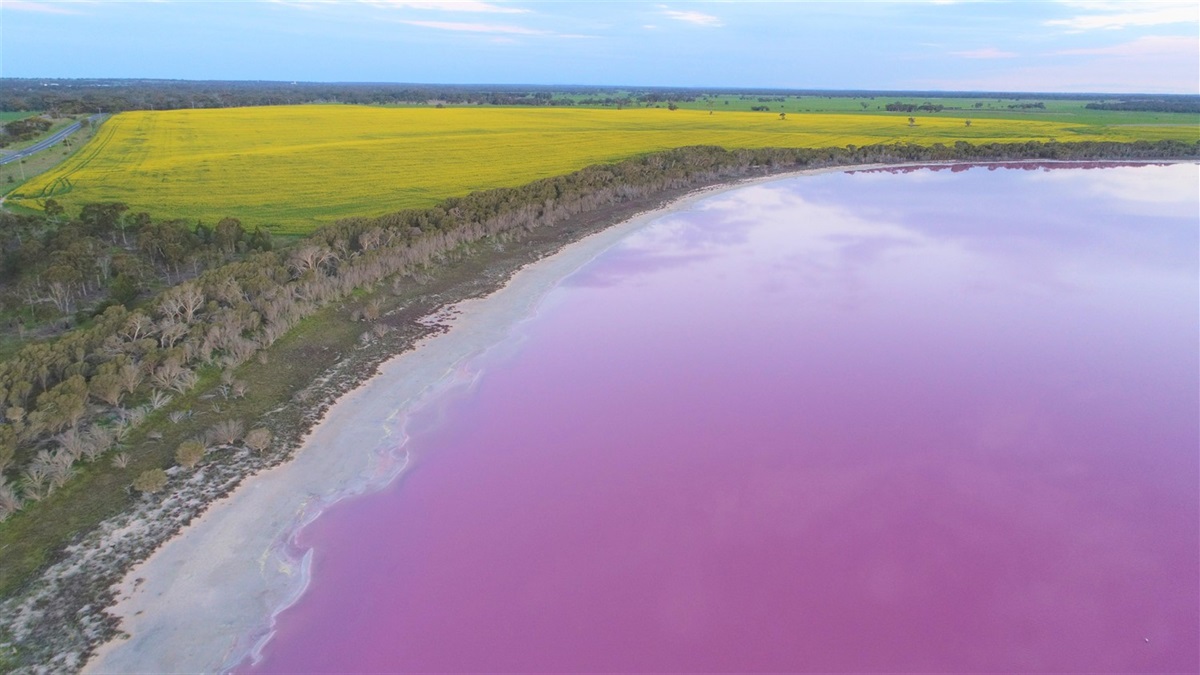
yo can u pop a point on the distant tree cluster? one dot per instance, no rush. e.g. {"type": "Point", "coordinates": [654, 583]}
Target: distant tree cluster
{"type": "Point", "coordinates": [655, 97]}
{"type": "Point", "coordinates": [52, 267]}
{"type": "Point", "coordinates": [1037, 105]}
{"type": "Point", "coordinates": [616, 101]}
{"type": "Point", "coordinates": [911, 107]}
{"type": "Point", "coordinates": [1181, 104]}
{"type": "Point", "coordinates": [24, 129]}
{"type": "Point", "coordinates": [90, 96]}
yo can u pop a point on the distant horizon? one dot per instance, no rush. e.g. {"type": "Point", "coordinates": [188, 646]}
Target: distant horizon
{"type": "Point", "coordinates": [1064, 46]}
{"type": "Point", "coordinates": [731, 89]}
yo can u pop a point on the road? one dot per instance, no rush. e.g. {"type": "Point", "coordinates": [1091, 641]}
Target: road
{"type": "Point", "coordinates": [47, 142]}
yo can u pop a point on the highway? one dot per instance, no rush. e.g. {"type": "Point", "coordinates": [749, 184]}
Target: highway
{"type": "Point", "coordinates": [48, 142]}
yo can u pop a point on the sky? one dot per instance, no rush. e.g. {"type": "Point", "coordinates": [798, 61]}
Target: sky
{"type": "Point", "coordinates": [1129, 46]}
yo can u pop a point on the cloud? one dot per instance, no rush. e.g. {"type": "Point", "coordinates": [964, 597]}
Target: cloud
{"type": "Point", "coordinates": [1118, 15]}
{"type": "Point", "coordinates": [496, 29]}
{"type": "Point", "coordinates": [451, 6]}
{"type": "Point", "coordinates": [1160, 73]}
{"type": "Point", "coordinates": [694, 18]}
{"type": "Point", "coordinates": [42, 7]}
{"type": "Point", "coordinates": [306, 5]}
{"type": "Point", "coordinates": [985, 53]}
{"type": "Point", "coordinates": [463, 27]}
{"type": "Point", "coordinates": [1149, 45]}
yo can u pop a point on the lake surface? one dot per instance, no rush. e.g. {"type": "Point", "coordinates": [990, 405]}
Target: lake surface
{"type": "Point", "coordinates": [918, 421]}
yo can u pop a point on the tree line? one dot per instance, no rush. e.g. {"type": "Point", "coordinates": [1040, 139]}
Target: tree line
{"type": "Point", "coordinates": [110, 96]}
{"type": "Point", "coordinates": [73, 398]}
{"type": "Point", "coordinates": [90, 96]}
{"type": "Point", "coordinates": [79, 96]}
{"type": "Point", "coordinates": [897, 106]}
{"type": "Point", "coordinates": [1179, 104]}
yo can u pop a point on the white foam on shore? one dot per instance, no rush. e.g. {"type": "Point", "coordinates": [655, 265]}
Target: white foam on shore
{"type": "Point", "coordinates": [207, 599]}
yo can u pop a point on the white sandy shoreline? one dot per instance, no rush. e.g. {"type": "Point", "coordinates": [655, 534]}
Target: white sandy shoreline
{"type": "Point", "coordinates": [205, 600]}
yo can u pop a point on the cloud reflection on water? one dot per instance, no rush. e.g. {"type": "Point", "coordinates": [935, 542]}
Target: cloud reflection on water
{"type": "Point", "coordinates": [810, 237]}
{"type": "Point", "coordinates": [1095, 230]}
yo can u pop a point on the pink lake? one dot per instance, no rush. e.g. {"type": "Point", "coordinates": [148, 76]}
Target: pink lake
{"type": "Point", "coordinates": [924, 421]}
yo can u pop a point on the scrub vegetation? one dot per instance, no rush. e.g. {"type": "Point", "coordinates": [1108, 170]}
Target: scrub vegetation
{"type": "Point", "coordinates": [294, 168]}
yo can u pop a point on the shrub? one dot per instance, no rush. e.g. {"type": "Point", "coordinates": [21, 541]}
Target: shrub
{"type": "Point", "coordinates": [189, 453]}
{"type": "Point", "coordinates": [226, 432]}
{"type": "Point", "coordinates": [258, 439]}
{"type": "Point", "coordinates": [150, 481]}
{"type": "Point", "coordinates": [10, 501]}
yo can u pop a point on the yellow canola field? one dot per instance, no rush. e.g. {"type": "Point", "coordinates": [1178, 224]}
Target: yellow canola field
{"type": "Point", "coordinates": [295, 167]}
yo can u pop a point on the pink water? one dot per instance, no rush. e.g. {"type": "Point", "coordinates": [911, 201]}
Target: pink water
{"type": "Point", "coordinates": [901, 422]}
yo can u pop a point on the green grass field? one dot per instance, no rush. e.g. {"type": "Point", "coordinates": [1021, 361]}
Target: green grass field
{"type": "Point", "coordinates": [6, 117]}
{"type": "Point", "coordinates": [292, 168]}
{"type": "Point", "coordinates": [959, 107]}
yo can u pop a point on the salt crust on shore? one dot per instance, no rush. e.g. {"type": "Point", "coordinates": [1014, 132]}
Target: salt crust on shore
{"type": "Point", "coordinates": [205, 600]}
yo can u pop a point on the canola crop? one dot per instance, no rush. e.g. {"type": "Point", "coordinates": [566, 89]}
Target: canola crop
{"type": "Point", "coordinates": [293, 168]}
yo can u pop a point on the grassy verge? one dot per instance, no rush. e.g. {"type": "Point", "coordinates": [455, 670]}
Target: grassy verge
{"type": "Point", "coordinates": [13, 174]}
